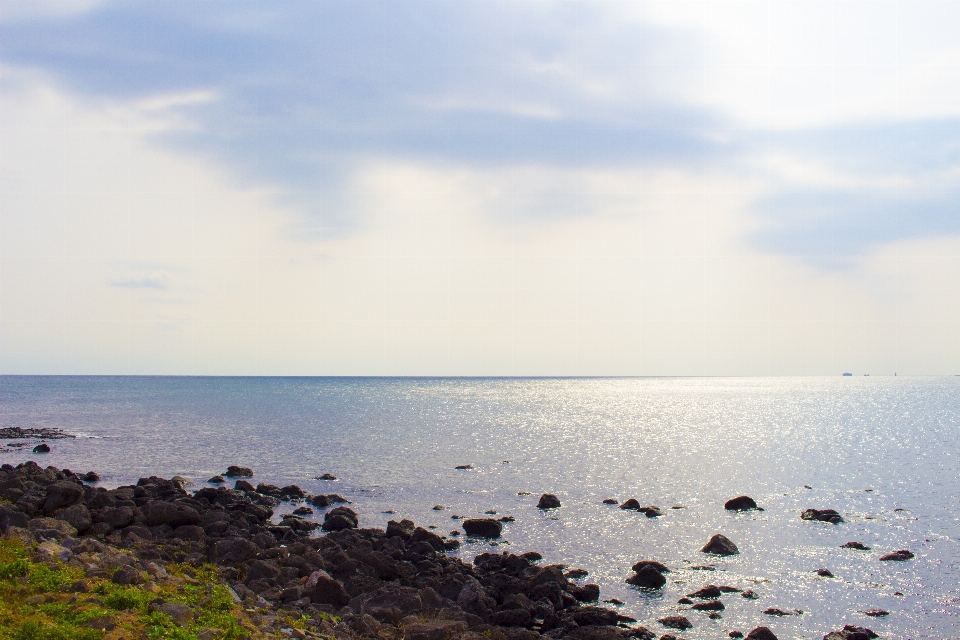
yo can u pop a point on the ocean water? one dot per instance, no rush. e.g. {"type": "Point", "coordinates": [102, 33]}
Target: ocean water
{"type": "Point", "coordinates": [883, 451]}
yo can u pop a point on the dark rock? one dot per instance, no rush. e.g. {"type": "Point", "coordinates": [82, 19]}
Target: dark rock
{"type": "Point", "coordinates": [464, 466]}
{"type": "Point", "coordinates": [735, 634]}
{"type": "Point", "coordinates": [720, 545]}
{"type": "Point", "coordinates": [749, 594]}
{"type": "Point", "coordinates": [897, 556]}
{"type": "Point", "coordinates": [171, 513]}
{"type": "Point", "coordinates": [728, 589]}
{"type": "Point", "coordinates": [821, 515]}
{"type": "Point", "coordinates": [531, 556]}
{"type": "Point", "coordinates": [326, 476]}
{"type": "Point", "coordinates": [78, 515]}
{"type": "Point", "coordinates": [876, 613]}
{"type": "Point", "coordinates": [595, 616]}
{"type": "Point", "coordinates": [647, 578]}
{"type": "Point", "coordinates": [740, 503]}
{"type": "Point", "coordinates": [680, 623]}
{"type": "Point", "coordinates": [824, 573]}
{"type": "Point", "coordinates": [859, 546]}
{"type": "Point", "coordinates": [118, 517]}
{"type": "Point", "coordinates": [43, 447]}
{"type": "Point", "coordinates": [238, 472]}
{"type": "Point", "coordinates": [610, 501]}
{"type": "Point", "coordinates": [483, 527]}
{"type": "Point", "coordinates": [189, 532]}
{"type": "Point", "coordinates": [233, 551]}
{"type": "Point", "coordinates": [340, 518]}
{"type": "Point", "coordinates": [586, 593]}
{"type": "Point", "coordinates": [684, 601]}
{"type": "Point", "coordinates": [126, 576]}
{"type": "Point", "coordinates": [512, 618]}
{"type": "Point", "coordinates": [292, 492]}
{"type": "Point", "coordinates": [659, 566]}
{"type": "Point", "coordinates": [631, 503]}
{"type": "Point", "coordinates": [761, 633]}
{"type": "Point", "coordinates": [243, 485]}
{"type": "Point", "coordinates": [433, 630]}
{"type": "Point", "coordinates": [100, 623]}
{"type": "Point", "coordinates": [548, 501]}
{"type": "Point", "coordinates": [776, 611]}
{"type": "Point", "coordinates": [851, 632]}
{"type": "Point", "coordinates": [216, 480]}
{"type": "Point", "coordinates": [262, 570]}
{"type": "Point", "coordinates": [303, 511]}
{"type": "Point", "coordinates": [319, 500]}
{"type": "Point", "coordinates": [651, 511]}
{"type": "Point", "coordinates": [710, 591]}
{"type": "Point", "coordinates": [709, 605]}
{"type": "Point", "coordinates": [90, 476]}
{"type": "Point", "coordinates": [10, 517]}
{"type": "Point", "coordinates": [337, 499]}
{"type": "Point", "coordinates": [62, 494]}
{"type": "Point", "coordinates": [181, 614]}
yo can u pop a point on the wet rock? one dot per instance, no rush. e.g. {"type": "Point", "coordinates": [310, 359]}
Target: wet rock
{"type": "Point", "coordinates": [303, 511]}
{"type": "Point", "coordinates": [775, 611]}
{"type": "Point", "coordinates": [876, 613]}
{"type": "Point", "coordinates": [292, 492]}
{"type": "Point", "coordinates": [548, 501]}
{"type": "Point", "coordinates": [586, 593]}
{"type": "Point", "coordinates": [319, 500]}
{"type": "Point", "coordinates": [337, 499]}
{"type": "Point", "coordinates": [659, 566]}
{"type": "Point", "coordinates": [532, 556]}
{"type": "Point", "coordinates": [720, 545]}
{"type": "Point", "coordinates": [43, 447]}
{"type": "Point", "coordinates": [897, 556]}
{"type": "Point", "coordinates": [216, 480]}
{"type": "Point", "coordinates": [709, 605]}
{"type": "Point", "coordinates": [326, 476]}
{"type": "Point", "coordinates": [463, 467]}
{"type": "Point", "coordinates": [710, 591]}
{"type": "Point", "coordinates": [824, 573]}
{"type": "Point", "coordinates": [576, 574]}
{"type": "Point", "coordinates": [740, 503]}
{"type": "Point", "coordinates": [735, 634]}
{"type": "Point", "coordinates": [243, 485]}
{"type": "Point", "coordinates": [681, 623]}
{"type": "Point", "coordinates": [851, 632]}
{"type": "Point", "coordinates": [483, 527]}
{"type": "Point", "coordinates": [821, 515]}
{"type": "Point", "coordinates": [438, 507]}
{"type": "Point", "coordinates": [62, 494]}
{"type": "Point", "coordinates": [340, 518]}
{"type": "Point", "coordinates": [610, 501]}
{"type": "Point", "coordinates": [238, 472]}
{"type": "Point", "coordinates": [651, 511]}
{"type": "Point", "coordinates": [761, 633]}
{"type": "Point", "coordinates": [631, 503]}
{"type": "Point", "coordinates": [749, 594]}
{"type": "Point", "coordinates": [648, 577]}
{"type": "Point", "coordinates": [859, 546]}
{"type": "Point", "coordinates": [90, 477]}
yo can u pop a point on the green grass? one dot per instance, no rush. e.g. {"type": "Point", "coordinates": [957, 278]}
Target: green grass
{"type": "Point", "coordinates": [32, 606]}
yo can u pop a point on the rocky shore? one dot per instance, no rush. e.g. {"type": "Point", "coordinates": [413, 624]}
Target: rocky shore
{"type": "Point", "coordinates": [288, 579]}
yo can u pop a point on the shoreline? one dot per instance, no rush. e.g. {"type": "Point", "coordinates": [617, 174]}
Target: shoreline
{"type": "Point", "coordinates": [347, 582]}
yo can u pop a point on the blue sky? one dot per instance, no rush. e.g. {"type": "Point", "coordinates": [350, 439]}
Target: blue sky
{"type": "Point", "coordinates": [833, 125]}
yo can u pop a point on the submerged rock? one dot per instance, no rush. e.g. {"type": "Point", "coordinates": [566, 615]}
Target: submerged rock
{"type": "Point", "coordinates": [647, 577]}
{"type": "Point", "coordinates": [483, 527]}
{"type": "Point", "coordinates": [709, 591]}
{"type": "Point", "coordinates": [548, 501]}
{"type": "Point", "coordinates": [680, 623]}
{"type": "Point", "coordinates": [821, 515]}
{"type": "Point", "coordinates": [720, 545]}
{"type": "Point", "coordinates": [859, 546]}
{"type": "Point", "coordinates": [238, 472]}
{"type": "Point", "coordinates": [761, 633]}
{"type": "Point", "coordinates": [740, 503]}
{"type": "Point", "coordinates": [897, 556]}
{"type": "Point", "coordinates": [43, 447]}
{"type": "Point", "coordinates": [851, 632]}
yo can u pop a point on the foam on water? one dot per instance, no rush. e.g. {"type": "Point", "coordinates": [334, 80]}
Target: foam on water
{"type": "Point", "coordinates": [394, 444]}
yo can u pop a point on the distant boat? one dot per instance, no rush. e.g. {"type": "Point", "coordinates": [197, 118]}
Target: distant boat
{"type": "Point", "coordinates": [848, 374]}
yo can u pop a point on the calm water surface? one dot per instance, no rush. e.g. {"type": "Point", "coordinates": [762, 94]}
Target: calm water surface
{"type": "Point", "coordinates": [687, 442]}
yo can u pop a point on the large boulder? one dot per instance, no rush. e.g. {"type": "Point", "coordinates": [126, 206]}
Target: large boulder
{"type": "Point", "coordinates": [117, 517]}
{"type": "Point", "coordinates": [78, 515]}
{"type": "Point", "coordinates": [548, 501]}
{"type": "Point", "coordinates": [238, 472]}
{"type": "Point", "coordinates": [720, 545]}
{"type": "Point", "coordinates": [340, 518]}
{"type": "Point", "coordinates": [761, 633]}
{"type": "Point", "coordinates": [740, 503]}
{"type": "Point", "coordinates": [62, 494]}
{"type": "Point", "coordinates": [233, 551]}
{"type": "Point", "coordinates": [322, 588]}
{"type": "Point", "coordinates": [483, 527]}
{"type": "Point", "coordinates": [171, 513]}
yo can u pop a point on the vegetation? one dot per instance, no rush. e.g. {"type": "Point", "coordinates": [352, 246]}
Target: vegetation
{"type": "Point", "coordinates": [46, 601]}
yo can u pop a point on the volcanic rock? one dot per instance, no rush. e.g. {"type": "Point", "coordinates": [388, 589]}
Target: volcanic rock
{"type": "Point", "coordinates": [483, 527]}
{"type": "Point", "coordinates": [740, 503]}
{"type": "Point", "coordinates": [720, 545]}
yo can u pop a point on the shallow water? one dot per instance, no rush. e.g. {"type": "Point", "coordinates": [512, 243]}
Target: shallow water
{"type": "Point", "coordinates": [694, 442]}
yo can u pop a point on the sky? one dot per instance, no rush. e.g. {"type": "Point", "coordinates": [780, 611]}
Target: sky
{"type": "Point", "coordinates": [479, 188]}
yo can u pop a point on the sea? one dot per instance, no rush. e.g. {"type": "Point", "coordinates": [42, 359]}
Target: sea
{"type": "Point", "coordinates": [883, 451]}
